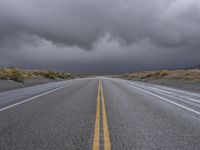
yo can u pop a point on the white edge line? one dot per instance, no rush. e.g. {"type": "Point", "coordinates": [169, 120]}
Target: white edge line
{"type": "Point", "coordinates": [34, 97]}
{"type": "Point", "coordinates": [182, 106]}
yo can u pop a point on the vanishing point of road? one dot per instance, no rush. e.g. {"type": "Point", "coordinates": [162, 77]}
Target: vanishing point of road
{"type": "Point", "coordinates": [99, 114]}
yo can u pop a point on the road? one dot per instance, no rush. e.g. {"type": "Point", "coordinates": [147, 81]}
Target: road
{"type": "Point", "coordinates": [99, 113]}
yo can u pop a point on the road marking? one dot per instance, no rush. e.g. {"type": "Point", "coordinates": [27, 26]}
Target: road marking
{"type": "Point", "coordinates": [107, 145]}
{"type": "Point", "coordinates": [96, 140]}
{"type": "Point", "coordinates": [34, 97]}
{"type": "Point", "coordinates": [97, 122]}
{"type": "Point", "coordinates": [165, 99]}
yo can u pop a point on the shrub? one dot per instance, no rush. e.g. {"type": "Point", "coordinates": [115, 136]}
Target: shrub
{"type": "Point", "coordinates": [11, 74]}
{"type": "Point", "coordinates": [19, 74]}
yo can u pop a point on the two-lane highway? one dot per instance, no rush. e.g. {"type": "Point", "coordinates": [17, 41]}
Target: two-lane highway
{"type": "Point", "coordinates": [99, 113]}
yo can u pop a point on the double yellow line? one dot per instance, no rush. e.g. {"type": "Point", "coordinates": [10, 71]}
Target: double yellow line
{"type": "Point", "coordinates": [96, 140]}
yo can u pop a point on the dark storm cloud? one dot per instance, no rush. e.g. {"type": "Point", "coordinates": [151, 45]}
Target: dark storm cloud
{"type": "Point", "coordinates": [82, 22]}
{"type": "Point", "coordinates": [136, 32]}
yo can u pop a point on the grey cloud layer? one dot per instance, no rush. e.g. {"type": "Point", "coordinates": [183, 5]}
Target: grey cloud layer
{"type": "Point", "coordinates": [82, 22]}
{"type": "Point", "coordinates": [167, 25]}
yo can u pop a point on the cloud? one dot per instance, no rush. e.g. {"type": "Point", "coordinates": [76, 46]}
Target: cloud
{"type": "Point", "coordinates": [82, 23]}
{"type": "Point", "coordinates": [74, 29]}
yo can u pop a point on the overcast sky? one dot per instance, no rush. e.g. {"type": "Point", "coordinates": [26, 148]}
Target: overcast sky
{"type": "Point", "coordinates": [99, 35]}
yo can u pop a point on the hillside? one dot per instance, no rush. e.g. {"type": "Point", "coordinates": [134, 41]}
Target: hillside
{"type": "Point", "coordinates": [191, 75]}
{"type": "Point", "coordinates": [20, 75]}
{"type": "Point", "coordinates": [188, 79]}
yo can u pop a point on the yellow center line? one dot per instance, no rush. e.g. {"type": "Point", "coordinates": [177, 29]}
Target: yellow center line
{"type": "Point", "coordinates": [96, 140]}
{"type": "Point", "coordinates": [97, 122]}
{"type": "Point", "coordinates": [107, 145]}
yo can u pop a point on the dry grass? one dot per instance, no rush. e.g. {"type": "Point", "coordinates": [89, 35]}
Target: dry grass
{"type": "Point", "coordinates": [19, 75]}
{"type": "Point", "coordinates": [192, 75]}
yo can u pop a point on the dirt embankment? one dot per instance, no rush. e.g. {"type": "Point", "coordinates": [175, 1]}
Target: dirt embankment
{"type": "Point", "coordinates": [11, 78]}
{"type": "Point", "coordinates": [185, 79]}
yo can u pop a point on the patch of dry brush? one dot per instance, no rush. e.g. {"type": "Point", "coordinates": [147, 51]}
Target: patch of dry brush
{"type": "Point", "coordinates": [192, 75]}
{"type": "Point", "coordinates": [19, 75]}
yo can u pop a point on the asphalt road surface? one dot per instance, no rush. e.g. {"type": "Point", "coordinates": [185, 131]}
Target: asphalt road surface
{"type": "Point", "coordinates": [99, 114]}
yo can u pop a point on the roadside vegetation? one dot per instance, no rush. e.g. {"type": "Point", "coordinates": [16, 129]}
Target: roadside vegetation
{"type": "Point", "coordinates": [192, 75]}
{"type": "Point", "coordinates": [20, 75]}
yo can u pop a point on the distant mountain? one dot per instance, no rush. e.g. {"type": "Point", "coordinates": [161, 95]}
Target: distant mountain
{"type": "Point", "coordinates": [194, 67]}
